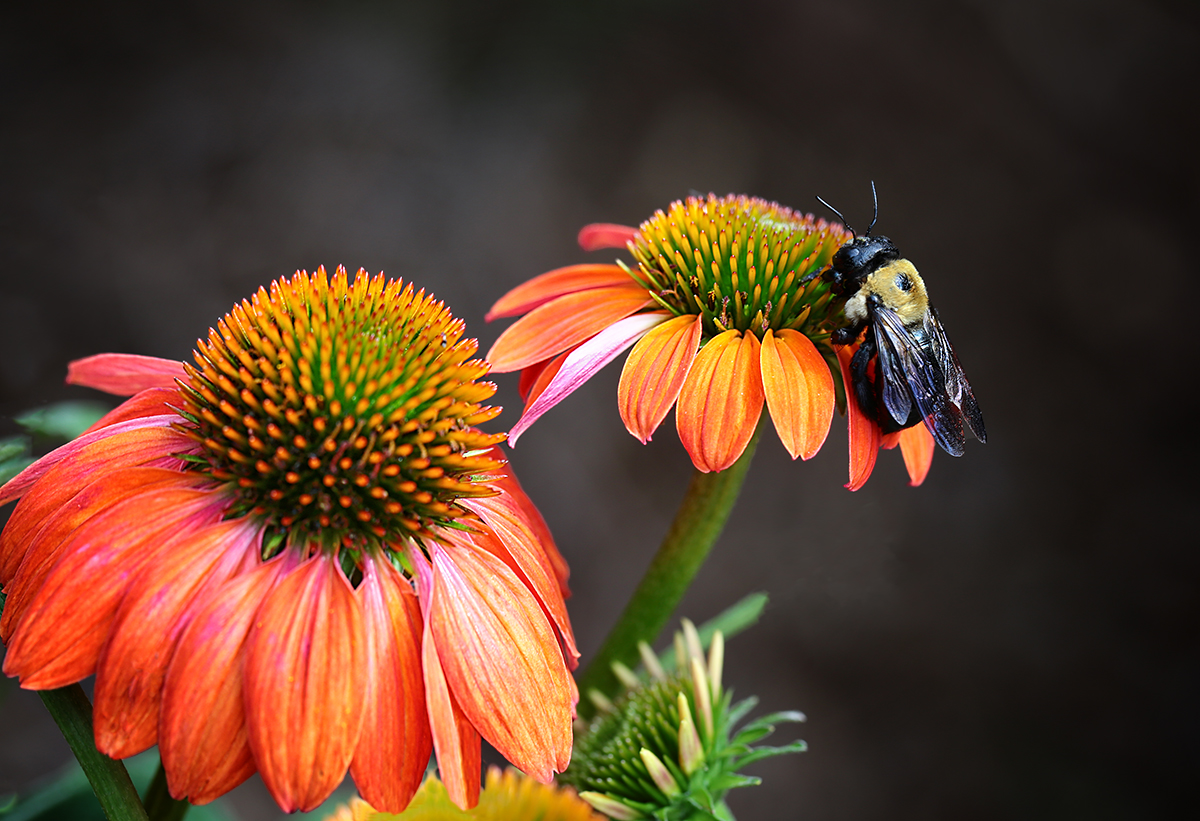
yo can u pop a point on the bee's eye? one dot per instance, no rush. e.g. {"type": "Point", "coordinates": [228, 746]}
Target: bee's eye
{"type": "Point", "coordinates": [904, 283]}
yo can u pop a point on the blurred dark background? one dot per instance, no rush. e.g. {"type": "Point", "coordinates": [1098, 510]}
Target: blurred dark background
{"type": "Point", "coordinates": [1015, 639]}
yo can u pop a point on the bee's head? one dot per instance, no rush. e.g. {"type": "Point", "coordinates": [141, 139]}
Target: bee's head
{"type": "Point", "coordinates": [859, 258]}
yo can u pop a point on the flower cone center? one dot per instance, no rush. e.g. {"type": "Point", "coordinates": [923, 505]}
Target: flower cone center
{"type": "Point", "coordinates": [740, 263]}
{"type": "Point", "coordinates": [342, 407]}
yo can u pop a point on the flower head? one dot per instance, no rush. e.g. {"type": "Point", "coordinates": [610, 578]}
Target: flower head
{"type": "Point", "coordinates": [670, 747]}
{"type": "Point", "coordinates": [507, 796]}
{"type": "Point", "coordinates": [298, 555]}
{"type": "Point", "coordinates": [724, 311]}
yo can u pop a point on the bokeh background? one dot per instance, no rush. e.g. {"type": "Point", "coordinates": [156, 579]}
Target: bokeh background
{"type": "Point", "coordinates": [1015, 639]}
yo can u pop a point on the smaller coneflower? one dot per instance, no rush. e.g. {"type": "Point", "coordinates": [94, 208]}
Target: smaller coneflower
{"type": "Point", "coordinates": [670, 747]}
{"type": "Point", "coordinates": [507, 796]}
{"type": "Point", "coordinates": [297, 556]}
{"type": "Point", "coordinates": [724, 309]}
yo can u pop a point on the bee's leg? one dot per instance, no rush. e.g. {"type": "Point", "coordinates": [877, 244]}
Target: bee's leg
{"type": "Point", "coordinates": [813, 275]}
{"type": "Point", "coordinates": [864, 391]}
{"type": "Point", "coordinates": [846, 335]}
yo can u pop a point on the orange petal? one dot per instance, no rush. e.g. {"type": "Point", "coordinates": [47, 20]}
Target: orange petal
{"type": "Point", "coordinates": [799, 391]}
{"type": "Point", "coordinates": [455, 739]}
{"type": "Point", "coordinates": [654, 372]}
{"type": "Point", "coordinates": [864, 433]}
{"type": "Point", "coordinates": [606, 235]}
{"type": "Point", "coordinates": [44, 548]}
{"type": "Point", "coordinates": [916, 445]}
{"type": "Point", "coordinates": [59, 639]}
{"type": "Point", "coordinates": [304, 687]}
{"type": "Point", "coordinates": [501, 659]}
{"type": "Point", "coordinates": [133, 663]}
{"type": "Point", "coordinates": [150, 402]}
{"type": "Point", "coordinates": [533, 388]}
{"type": "Point", "coordinates": [533, 517]}
{"type": "Point", "coordinates": [721, 400]}
{"type": "Point", "coordinates": [564, 322]}
{"type": "Point", "coordinates": [395, 743]}
{"type": "Point", "coordinates": [556, 283]}
{"type": "Point", "coordinates": [124, 374]}
{"type": "Point", "coordinates": [202, 728]}
{"type": "Point", "coordinates": [149, 440]}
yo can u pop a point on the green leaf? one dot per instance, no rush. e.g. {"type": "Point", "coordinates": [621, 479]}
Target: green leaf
{"type": "Point", "coordinates": [64, 420]}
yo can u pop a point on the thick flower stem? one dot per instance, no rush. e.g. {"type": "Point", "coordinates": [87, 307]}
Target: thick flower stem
{"type": "Point", "coordinates": [71, 710]}
{"type": "Point", "coordinates": [699, 522]}
{"type": "Point", "coordinates": [160, 806]}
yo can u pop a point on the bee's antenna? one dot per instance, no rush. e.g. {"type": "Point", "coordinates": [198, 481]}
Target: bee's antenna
{"type": "Point", "coordinates": [875, 197]}
{"type": "Point", "coordinates": [839, 215]}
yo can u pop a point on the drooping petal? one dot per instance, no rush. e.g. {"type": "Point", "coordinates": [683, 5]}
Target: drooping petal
{"type": "Point", "coordinates": [304, 687]}
{"type": "Point", "coordinates": [124, 374]}
{"type": "Point", "coordinates": [150, 402]}
{"type": "Point", "coordinates": [541, 375]}
{"type": "Point", "coordinates": [583, 362]}
{"type": "Point", "coordinates": [43, 550]}
{"type": "Point", "coordinates": [916, 445]}
{"type": "Point", "coordinates": [605, 235]}
{"type": "Point", "coordinates": [136, 442]}
{"type": "Point", "coordinates": [512, 488]}
{"type": "Point", "coordinates": [556, 283]}
{"type": "Point", "coordinates": [514, 541]}
{"type": "Point", "coordinates": [721, 400]}
{"type": "Point", "coordinates": [864, 432]}
{"type": "Point", "coordinates": [395, 743]}
{"type": "Point", "coordinates": [501, 659]}
{"type": "Point", "coordinates": [654, 372]}
{"type": "Point", "coordinates": [59, 639]}
{"type": "Point", "coordinates": [133, 663]}
{"type": "Point", "coordinates": [458, 744]}
{"type": "Point", "coordinates": [561, 323]}
{"type": "Point", "coordinates": [799, 390]}
{"type": "Point", "coordinates": [202, 728]}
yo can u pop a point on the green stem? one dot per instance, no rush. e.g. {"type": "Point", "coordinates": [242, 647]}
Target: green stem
{"type": "Point", "coordinates": [71, 710]}
{"type": "Point", "coordinates": [700, 520]}
{"type": "Point", "coordinates": [160, 806]}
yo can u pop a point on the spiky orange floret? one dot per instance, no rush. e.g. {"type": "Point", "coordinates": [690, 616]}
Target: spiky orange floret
{"type": "Point", "coordinates": [342, 405]}
{"type": "Point", "coordinates": [741, 263]}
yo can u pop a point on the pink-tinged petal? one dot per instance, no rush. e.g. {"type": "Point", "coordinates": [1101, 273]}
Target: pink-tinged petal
{"type": "Point", "coordinates": [916, 445]}
{"type": "Point", "coordinates": [550, 329]}
{"type": "Point", "coordinates": [583, 362]}
{"type": "Point", "coordinates": [799, 390]}
{"type": "Point", "coordinates": [43, 550]}
{"type": "Point", "coordinates": [202, 733]}
{"type": "Point", "coordinates": [304, 687]}
{"type": "Point", "coordinates": [457, 742]}
{"type": "Point", "coordinates": [514, 541]}
{"type": "Point", "coordinates": [864, 433]}
{"type": "Point", "coordinates": [150, 402]}
{"type": "Point", "coordinates": [529, 376]}
{"type": "Point", "coordinates": [654, 372]}
{"type": "Point", "coordinates": [59, 639]}
{"type": "Point", "coordinates": [501, 659]}
{"type": "Point", "coordinates": [531, 390]}
{"type": "Point", "coordinates": [512, 488]}
{"type": "Point", "coordinates": [553, 284]}
{"type": "Point", "coordinates": [606, 235]}
{"type": "Point", "coordinates": [117, 445]}
{"type": "Point", "coordinates": [721, 400]}
{"type": "Point", "coordinates": [133, 663]}
{"type": "Point", "coordinates": [124, 374]}
{"type": "Point", "coordinates": [395, 743]}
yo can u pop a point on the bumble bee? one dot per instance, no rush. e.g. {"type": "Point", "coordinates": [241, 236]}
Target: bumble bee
{"type": "Point", "coordinates": [917, 375]}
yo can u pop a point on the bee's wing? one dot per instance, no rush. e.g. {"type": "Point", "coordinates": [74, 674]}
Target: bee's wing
{"type": "Point", "coordinates": [905, 363]}
{"type": "Point", "coordinates": [958, 389]}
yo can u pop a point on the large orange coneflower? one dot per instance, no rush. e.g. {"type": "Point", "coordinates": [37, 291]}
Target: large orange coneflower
{"type": "Point", "coordinates": [298, 556]}
{"type": "Point", "coordinates": [725, 311]}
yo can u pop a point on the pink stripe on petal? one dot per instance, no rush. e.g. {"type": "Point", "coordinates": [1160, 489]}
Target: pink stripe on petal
{"type": "Point", "coordinates": [124, 374]}
{"type": "Point", "coordinates": [605, 235]}
{"type": "Point", "coordinates": [585, 361]}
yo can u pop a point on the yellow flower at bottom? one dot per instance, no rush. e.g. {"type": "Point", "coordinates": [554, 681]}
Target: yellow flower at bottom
{"type": "Point", "coordinates": [507, 796]}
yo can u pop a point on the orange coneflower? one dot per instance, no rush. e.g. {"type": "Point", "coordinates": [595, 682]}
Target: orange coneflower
{"type": "Point", "coordinates": [298, 556]}
{"type": "Point", "coordinates": [726, 310]}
